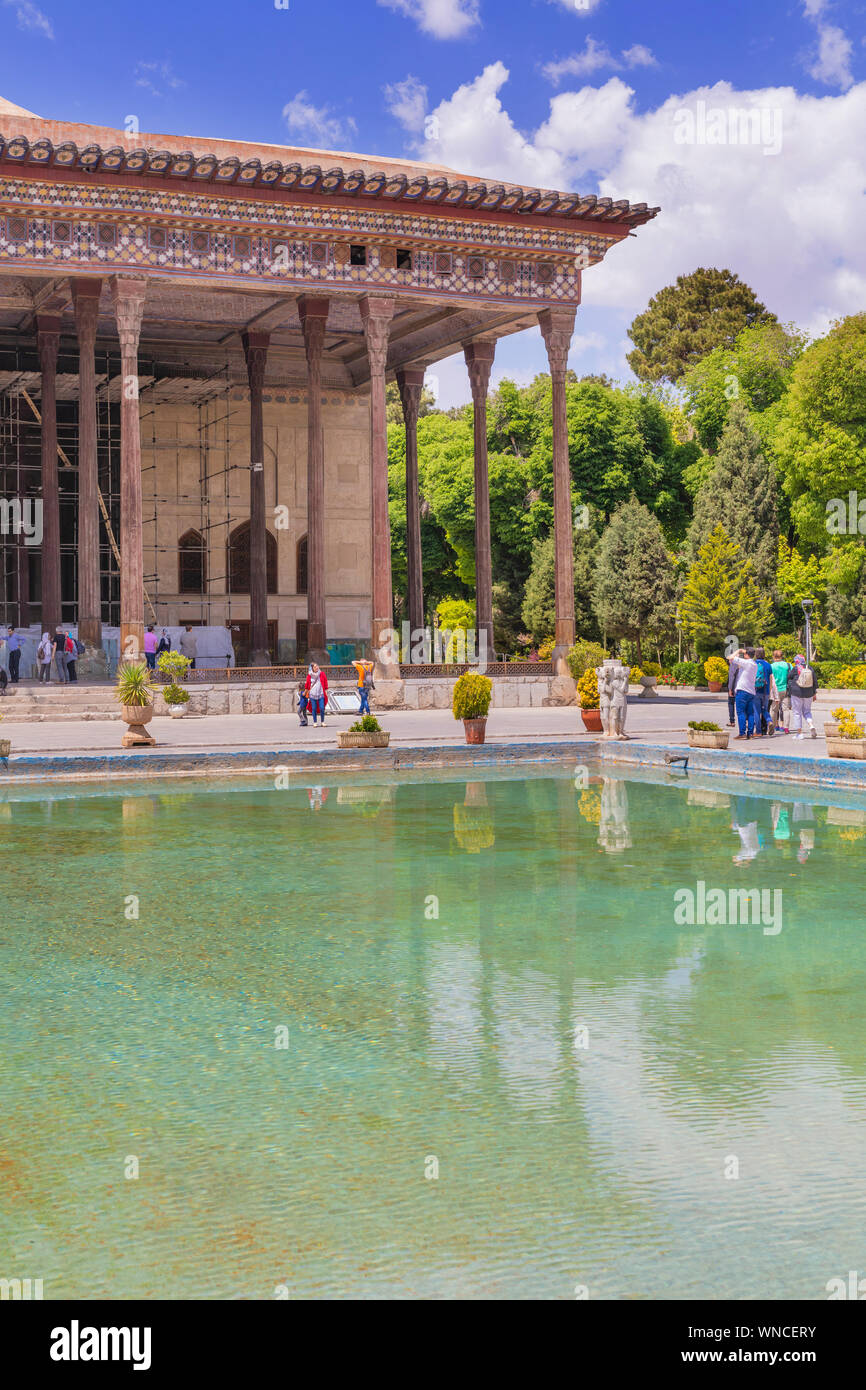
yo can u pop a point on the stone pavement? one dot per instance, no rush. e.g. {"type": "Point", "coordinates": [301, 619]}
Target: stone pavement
{"type": "Point", "coordinates": [662, 720]}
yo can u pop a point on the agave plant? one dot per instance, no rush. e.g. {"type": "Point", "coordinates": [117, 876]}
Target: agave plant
{"type": "Point", "coordinates": [133, 685]}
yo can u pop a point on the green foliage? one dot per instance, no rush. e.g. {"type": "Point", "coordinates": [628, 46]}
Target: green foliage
{"type": "Point", "coordinates": [367, 724]}
{"type": "Point", "coordinates": [836, 646]}
{"type": "Point", "coordinates": [584, 656]}
{"type": "Point", "coordinates": [716, 669]}
{"type": "Point", "coordinates": [538, 603]}
{"type": "Point", "coordinates": [472, 696]}
{"type": "Point", "coordinates": [739, 495]}
{"type": "Point", "coordinates": [686, 672]}
{"type": "Point", "coordinates": [705, 726]}
{"type": "Point", "coordinates": [798, 577]}
{"type": "Point", "coordinates": [634, 584]}
{"type": "Point", "coordinates": [174, 665]}
{"type": "Point", "coordinates": [652, 668]}
{"type": "Point", "coordinates": [821, 437]}
{"type": "Point", "coordinates": [721, 595]}
{"type": "Point", "coordinates": [756, 371]}
{"type": "Point", "coordinates": [133, 685]}
{"type": "Point", "coordinates": [788, 643]}
{"type": "Point", "coordinates": [175, 695]}
{"type": "Point", "coordinates": [587, 689]}
{"type": "Point", "coordinates": [685, 321]}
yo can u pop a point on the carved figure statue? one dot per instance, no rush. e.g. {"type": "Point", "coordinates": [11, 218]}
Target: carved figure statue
{"type": "Point", "coordinates": [613, 697]}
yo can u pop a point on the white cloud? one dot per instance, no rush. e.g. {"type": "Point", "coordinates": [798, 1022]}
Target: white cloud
{"type": "Point", "coordinates": [30, 17]}
{"type": "Point", "coordinates": [147, 75]}
{"type": "Point", "coordinates": [407, 102]}
{"type": "Point", "coordinates": [444, 19]}
{"type": "Point", "coordinates": [324, 125]}
{"type": "Point", "coordinates": [596, 56]}
{"type": "Point", "coordinates": [790, 224]}
{"type": "Point", "coordinates": [581, 8]}
{"type": "Point", "coordinates": [833, 63]}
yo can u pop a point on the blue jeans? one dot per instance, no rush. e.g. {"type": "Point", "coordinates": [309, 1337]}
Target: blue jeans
{"type": "Point", "coordinates": [364, 693]}
{"type": "Point", "coordinates": [318, 707]}
{"type": "Point", "coordinates": [746, 711]}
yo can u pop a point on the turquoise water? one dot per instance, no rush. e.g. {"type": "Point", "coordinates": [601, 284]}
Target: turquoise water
{"type": "Point", "coordinates": [484, 978]}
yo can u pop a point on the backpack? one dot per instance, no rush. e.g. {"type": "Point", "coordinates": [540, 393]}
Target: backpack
{"type": "Point", "coordinates": [79, 646]}
{"type": "Point", "coordinates": [761, 676]}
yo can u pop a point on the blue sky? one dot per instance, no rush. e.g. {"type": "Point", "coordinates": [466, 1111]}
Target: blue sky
{"type": "Point", "coordinates": [567, 93]}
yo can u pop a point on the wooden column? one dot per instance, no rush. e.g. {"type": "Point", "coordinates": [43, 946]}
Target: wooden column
{"type": "Point", "coordinates": [48, 342]}
{"type": "Point", "coordinates": [376, 316]}
{"type": "Point", "coordinates": [479, 360]}
{"type": "Point", "coordinates": [314, 317]}
{"type": "Point", "coordinates": [85, 298]}
{"type": "Point", "coordinates": [410, 382]}
{"type": "Point", "coordinates": [256, 354]}
{"type": "Point", "coordinates": [127, 296]}
{"type": "Point", "coordinates": [557, 326]}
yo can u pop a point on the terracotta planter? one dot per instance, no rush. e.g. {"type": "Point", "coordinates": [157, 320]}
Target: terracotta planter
{"type": "Point", "coordinates": [380, 740]}
{"type": "Point", "coordinates": [847, 748]}
{"type": "Point", "coordinates": [5, 747]}
{"type": "Point", "coordinates": [474, 730]}
{"type": "Point", "coordinates": [708, 738]}
{"type": "Point", "coordinates": [714, 686]}
{"type": "Point", "coordinates": [592, 720]}
{"type": "Point", "coordinates": [136, 716]}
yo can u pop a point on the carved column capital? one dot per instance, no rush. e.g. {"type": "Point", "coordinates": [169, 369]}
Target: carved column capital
{"type": "Point", "coordinates": [85, 301]}
{"type": "Point", "coordinates": [376, 315]}
{"type": "Point", "coordinates": [127, 296]}
{"type": "Point", "coordinates": [410, 383]}
{"type": "Point", "coordinates": [48, 340]}
{"type": "Point", "coordinates": [557, 326]}
{"type": "Point", "coordinates": [256, 354]}
{"type": "Point", "coordinates": [479, 360]}
{"type": "Point", "coordinates": [313, 313]}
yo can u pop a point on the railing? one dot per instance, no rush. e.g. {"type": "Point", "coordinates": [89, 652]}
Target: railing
{"type": "Point", "coordinates": [213, 675]}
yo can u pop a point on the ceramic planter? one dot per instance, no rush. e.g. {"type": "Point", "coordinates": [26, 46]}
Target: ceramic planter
{"type": "Point", "coordinates": [649, 681]}
{"type": "Point", "coordinates": [847, 748]}
{"type": "Point", "coordinates": [592, 720]}
{"type": "Point", "coordinates": [380, 740]}
{"type": "Point", "coordinates": [474, 730]}
{"type": "Point", "coordinates": [177, 711]}
{"type": "Point", "coordinates": [136, 716]}
{"type": "Point", "coordinates": [708, 738]}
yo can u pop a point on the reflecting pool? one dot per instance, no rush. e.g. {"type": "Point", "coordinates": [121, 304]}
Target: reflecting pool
{"type": "Point", "coordinates": [499, 1036]}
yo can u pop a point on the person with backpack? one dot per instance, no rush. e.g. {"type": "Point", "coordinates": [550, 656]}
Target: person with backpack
{"type": "Point", "coordinates": [43, 653]}
{"type": "Point", "coordinates": [781, 672]}
{"type": "Point", "coordinates": [803, 685]}
{"type": "Point", "coordinates": [72, 655]}
{"type": "Point", "coordinates": [365, 684]}
{"type": "Point", "coordinates": [763, 685]}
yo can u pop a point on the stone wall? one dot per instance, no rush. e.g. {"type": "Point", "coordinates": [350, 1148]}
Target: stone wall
{"type": "Point", "coordinates": [279, 697]}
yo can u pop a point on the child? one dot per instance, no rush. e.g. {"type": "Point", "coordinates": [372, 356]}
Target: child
{"type": "Point", "coordinates": [302, 702]}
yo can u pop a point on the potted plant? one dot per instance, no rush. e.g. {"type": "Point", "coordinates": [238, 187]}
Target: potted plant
{"type": "Point", "coordinates": [850, 739]}
{"type": "Point", "coordinates": [831, 730]}
{"type": "Point", "coordinates": [470, 702]}
{"type": "Point", "coordinates": [716, 672]}
{"type": "Point", "coordinates": [135, 697]}
{"type": "Point", "coordinates": [177, 700]}
{"type": "Point", "coordinates": [366, 732]}
{"type": "Point", "coordinates": [587, 693]}
{"type": "Point", "coordinates": [173, 665]}
{"type": "Point", "coordinates": [703, 733]}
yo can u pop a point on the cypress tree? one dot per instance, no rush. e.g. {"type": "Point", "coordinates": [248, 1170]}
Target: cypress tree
{"type": "Point", "coordinates": [739, 496]}
{"type": "Point", "coordinates": [634, 577]}
{"type": "Point", "coordinates": [721, 597]}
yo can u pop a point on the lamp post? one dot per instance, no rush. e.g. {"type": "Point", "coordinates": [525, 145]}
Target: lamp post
{"type": "Point", "coordinates": [807, 605]}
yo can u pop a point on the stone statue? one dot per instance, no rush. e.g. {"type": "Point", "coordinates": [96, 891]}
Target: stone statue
{"type": "Point", "coordinates": [613, 697]}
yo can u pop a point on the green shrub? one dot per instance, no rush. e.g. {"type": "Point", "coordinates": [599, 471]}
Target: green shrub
{"type": "Point", "coordinates": [788, 643]}
{"type": "Point", "coordinates": [583, 656]}
{"type": "Point", "coordinates": [175, 695]}
{"type": "Point", "coordinates": [686, 672]}
{"type": "Point", "coordinates": [173, 665]}
{"type": "Point", "coordinates": [472, 696]}
{"type": "Point", "coordinates": [587, 689]}
{"type": "Point", "coordinates": [652, 668]}
{"type": "Point", "coordinates": [367, 724]}
{"type": "Point", "coordinates": [705, 726]}
{"type": "Point", "coordinates": [836, 646]}
{"type": "Point", "coordinates": [133, 685]}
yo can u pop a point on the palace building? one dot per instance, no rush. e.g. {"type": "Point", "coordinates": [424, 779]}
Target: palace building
{"type": "Point", "coordinates": [195, 340]}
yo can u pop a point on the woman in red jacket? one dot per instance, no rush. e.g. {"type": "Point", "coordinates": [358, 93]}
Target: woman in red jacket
{"type": "Point", "coordinates": [317, 691]}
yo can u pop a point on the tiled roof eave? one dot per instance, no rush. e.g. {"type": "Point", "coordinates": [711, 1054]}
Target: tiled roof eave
{"type": "Point", "coordinates": [233, 173]}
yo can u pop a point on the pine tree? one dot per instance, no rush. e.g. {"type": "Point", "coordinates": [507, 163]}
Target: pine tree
{"type": "Point", "coordinates": [634, 578]}
{"type": "Point", "coordinates": [722, 598]}
{"type": "Point", "coordinates": [739, 495]}
{"type": "Point", "coordinates": [538, 611]}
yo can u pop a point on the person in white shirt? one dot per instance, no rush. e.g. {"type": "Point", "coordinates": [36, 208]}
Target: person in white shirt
{"type": "Point", "coordinates": [744, 700]}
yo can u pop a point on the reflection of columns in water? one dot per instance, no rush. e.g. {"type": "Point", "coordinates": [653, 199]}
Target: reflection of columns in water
{"type": "Point", "coordinates": [614, 835]}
